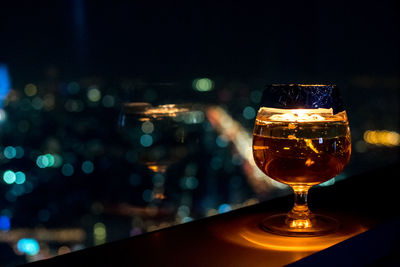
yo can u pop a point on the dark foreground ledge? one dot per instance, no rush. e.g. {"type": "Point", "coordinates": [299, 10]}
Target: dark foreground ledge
{"type": "Point", "coordinates": [365, 204]}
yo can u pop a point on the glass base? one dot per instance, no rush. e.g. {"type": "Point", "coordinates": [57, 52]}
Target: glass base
{"type": "Point", "coordinates": [317, 225]}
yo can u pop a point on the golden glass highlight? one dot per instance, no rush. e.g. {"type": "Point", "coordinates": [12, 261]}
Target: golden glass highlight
{"type": "Point", "coordinates": [301, 148]}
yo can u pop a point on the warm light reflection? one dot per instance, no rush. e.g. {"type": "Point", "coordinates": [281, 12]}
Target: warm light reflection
{"type": "Point", "coordinates": [156, 167]}
{"type": "Point", "coordinates": [147, 111]}
{"type": "Point", "coordinates": [246, 232]}
{"type": "Point", "coordinates": [170, 110]}
{"type": "Point", "coordinates": [159, 196]}
{"type": "Point", "coordinates": [294, 115]}
{"type": "Point", "coordinates": [382, 138]}
{"type": "Point", "coordinates": [300, 224]}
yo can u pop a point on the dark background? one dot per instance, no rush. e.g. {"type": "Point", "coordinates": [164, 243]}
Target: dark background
{"type": "Point", "coordinates": [277, 40]}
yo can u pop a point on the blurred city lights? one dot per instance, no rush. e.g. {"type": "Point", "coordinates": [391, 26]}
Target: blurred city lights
{"type": "Point", "coordinates": [255, 96]}
{"type": "Point", "coordinates": [9, 177]}
{"type": "Point", "coordinates": [29, 246]}
{"type": "Point", "coordinates": [183, 211]}
{"type": "Point", "coordinates": [203, 84]}
{"type": "Point", "coordinates": [17, 190]}
{"type": "Point", "coordinates": [224, 208]}
{"type": "Point", "coordinates": [49, 102]}
{"type": "Point", "coordinates": [382, 138]}
{"type": "Point", "coordinates": [20, 177]}
{"type": "Point", "coordinates": [193, 117]}
{"type": "Point", "coordinates": [63, 250]}
{"type": "Point", "coordinates": [74, 105]}
{"type": "Point", "coordinates": [99, 233]}
{"type": "Point", "coordinates": [87, 167]}
{"type": "Point", "coordinates": [30, 89]}
{"type": "Point", "coordinates": [147, 195]}
{"type": "Point", "coordinates": [189, 182]}
{"type": "Point", "coordinates": [19, 152]}
{"type": "Point", "coordinates": [221, 141]}
{"type": "Point", "coordinates": [94, 94]}
{"type": "Point", "coordinates": [146, 140]}
{"type": "Point", "coordinates": [147, 127]}
{"type": "Point", "coordinates": [4, 223]}
{"type": "Point", "coordinates": [44, 161]}
{"type": "Point", "coordinates": [187, 219]}
{"type": "Point", "coordinates": [158, 179]}
{"type": "Point", "coordinates": [73, 88]}
{"type": "Point", "coordinates": [58, 160]}
{"type": "Point", "coordinates": [108, 101]}
{"type": "Point", "coordinates": [216, 163]}
{"type": "Point", "coordinates": [37, 103]}
{"type": "Point", "coordinates": [5, 83]}
{"type": "Point", "coordinates": [249, 113]}
{"type": "Point", "coordinates": [67, 169]}
{"type": "Point", "coordinates": [10, 152]}
{"type": "Point", "coordinates": [3, 115]}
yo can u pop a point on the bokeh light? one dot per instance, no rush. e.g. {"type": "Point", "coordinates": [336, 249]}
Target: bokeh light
{"type": "Point", "coordinates": [94, 94]}
{"type": "Point", "coordinates": [255, 96]}
{"type": "Point", "coordinates": [190, 182]}
{"type": "Point", "coordinates": [221, 141]}
{"type": "Point", "coordinates": [67, 169]}
{"type": "Point", "coordinates": [19, 152]}
{"type": "Point", "coordinates": [9, 177]}
{"type": "Point", "coordinates": [249, 113]}
{"type": "Point", "coordinates": [146, 140]}
{"type": "Point", "coordinates": [10, 152]}
{"type": "Point", "coordinates": [5, 223]}
{"type": "Point", "coordinates": [20, 177]}
{"type": "Point", "coordinates": [30, 89]}
{"type": "Point", "coordinates": [147, 195]}
{"type": "Point", "coordinates": [73, 88]}
{"type": "Point", "coordinates": [224, 208]}
{"type": "Point", "coordinates": [382, 138]}
{"type": "Point", "coordinates": [29, 246]}
{"type": "Point", "coordinates": [108, 101]}
{"type": "Point", "coordinates": [147, 127]}
{"type": "Point", "coordinates": [87, 167]}
{"type": "Point", "coordinates": [203, 84]}
{"type": "Point", "coordinates": [44, 161]}
{"type": "Point", "coordinates": [99, 233]}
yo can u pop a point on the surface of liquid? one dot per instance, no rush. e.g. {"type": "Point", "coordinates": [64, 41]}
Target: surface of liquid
{"type": "Point", "coordinates": [301, 153]}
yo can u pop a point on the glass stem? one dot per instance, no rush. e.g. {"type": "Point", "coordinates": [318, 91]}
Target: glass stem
{"type": "Point", "coordinates": [299, 216]}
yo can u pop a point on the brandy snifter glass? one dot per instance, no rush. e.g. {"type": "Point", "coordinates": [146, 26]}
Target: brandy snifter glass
{"type": "Point", "coordinates": [301, 138]}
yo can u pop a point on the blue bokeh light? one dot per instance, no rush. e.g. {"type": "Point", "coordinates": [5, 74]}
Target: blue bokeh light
{"type": "Point", "coordinates": [10, 152]}
{"type": "Point", "coordinates": [146, 140]}
{"type": "Point", "coordinates": [9, 177]}
{"type": "Point", "coordinates": [87, 167]}
{"type": "Point", "coordinates": [5, 223]}
{"type": "Point", "coordinates": [29, 246]}
{"type": "Point", "coordinates": [224, 208]}
{"type": "Point", "coordinates": [67, 169]}
{"type": "Point", "coordinates": [20, 177]}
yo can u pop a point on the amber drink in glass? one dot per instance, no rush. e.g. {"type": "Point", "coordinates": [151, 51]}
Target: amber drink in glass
{"type": "Point", "coordinates": [301, 147]}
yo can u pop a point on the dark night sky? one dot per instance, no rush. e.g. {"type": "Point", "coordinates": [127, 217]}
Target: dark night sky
{"type": "Point", "coordinates": [280, 39]}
